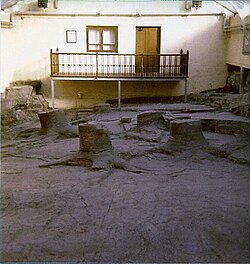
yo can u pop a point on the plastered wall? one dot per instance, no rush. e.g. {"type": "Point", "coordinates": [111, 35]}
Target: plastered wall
{"type": "Point", "coordinates": [32, 38]}
{"type": "Point", "coordinates": [6, 54]}
{"type": "Point", "coordinates": [234, 43]}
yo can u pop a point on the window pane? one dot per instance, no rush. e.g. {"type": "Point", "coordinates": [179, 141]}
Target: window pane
{"type": "Point", "coordinates": [102, 38]}
{"type": "Point", "coordinates": [94, 36]}
{"type": "Point", "coordinates": [108, 36]}
{"type": "Point", "coordinates": [94, 47]}
{"type": "Point", "coordinates": [107, 47]}
{"type": "Point", "coordinates": [246, 42]}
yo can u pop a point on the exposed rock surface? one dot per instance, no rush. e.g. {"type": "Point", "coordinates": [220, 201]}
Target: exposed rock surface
{"type": "Point", "coordinates": [139, 202]}
{"type": "Point", "coordinates": [230, 127]}
{"type": "Point", "coordinates": [19, 105]}
{"type": "Point", "coordinates": [236, 103]}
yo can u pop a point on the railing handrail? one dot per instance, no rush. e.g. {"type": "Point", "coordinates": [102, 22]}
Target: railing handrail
{"type": "Point", "coordinates": [167, 64]}
{"type": "Point", "coordinates": [119, 54]}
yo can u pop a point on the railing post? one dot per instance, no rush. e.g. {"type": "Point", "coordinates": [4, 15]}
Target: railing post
{"type": "Point", "coordinates": [96, 65]}
{"type": "Point", "coordinates": [119, 94]}
{"type": "Point", "coordinates": [182, 70]}
{"type": "Point", "coordinates": [184, 63]}
{"type": "Point", "coordinates": [187, 59]}
{"type": "Point", "coordinates": [55, 59]}
{"type": "Point", "coordinates": [54, 63]}
{"type": "Point", "coordinates": [142, 65]}
{"type": "Point", "coordinates": [51, 63]}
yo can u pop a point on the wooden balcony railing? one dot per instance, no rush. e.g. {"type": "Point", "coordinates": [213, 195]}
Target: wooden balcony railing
{"type": "Point", "coordinates": [96, 65]}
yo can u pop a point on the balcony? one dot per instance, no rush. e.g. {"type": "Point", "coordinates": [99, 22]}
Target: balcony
{"type": "Point", "coordinates": [108, 66]}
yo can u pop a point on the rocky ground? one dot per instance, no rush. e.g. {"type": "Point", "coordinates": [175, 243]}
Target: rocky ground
{"type": "Point", "coordinates": [149, 199]}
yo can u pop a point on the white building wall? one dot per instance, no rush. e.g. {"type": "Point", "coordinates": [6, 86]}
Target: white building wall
{"type": "Point", "coordinates": [6, 54]}
{"type": "Point", "coordinates": [32, 38]}
{"type": "Point", "coordinates": [136, 6]}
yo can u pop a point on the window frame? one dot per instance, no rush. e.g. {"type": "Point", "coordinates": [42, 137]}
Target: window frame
{"type": "Point", "coordinates": [71, 36]}
{"type": "Point", "coordinates": [246, 41]}
{"type": "Point", "coordinates": [101, 29]}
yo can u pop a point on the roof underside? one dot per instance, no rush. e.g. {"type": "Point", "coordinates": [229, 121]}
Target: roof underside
{"type": "Point", "coordinates": [8, 3]}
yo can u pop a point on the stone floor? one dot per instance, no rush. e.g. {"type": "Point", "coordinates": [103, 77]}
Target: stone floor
{"type": "Point", "coordinates": [158, 204]}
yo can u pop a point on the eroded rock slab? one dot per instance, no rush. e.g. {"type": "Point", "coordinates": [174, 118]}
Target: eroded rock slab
{"type": "Point", "coordinates": [229, 127]}
{"type": "Point", "coordinates": [167, 118]}
{"type": "Point", "coordinates": [148, 117]}
{"type": "Point", "coordinates": [102, 108]}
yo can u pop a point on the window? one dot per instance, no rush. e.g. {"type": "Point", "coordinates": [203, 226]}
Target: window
{"type": "Point", "coordinates": [246, 41]}
{"type": "Point", "coordinates": [43, 3]}
{"type": "Point", "coordinates": [102, 38]}
{"type": "Point", "coordinates": [71, 36]}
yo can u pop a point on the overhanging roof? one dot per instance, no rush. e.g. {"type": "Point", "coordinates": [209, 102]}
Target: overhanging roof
{"type": "Point", "coordinates": [8, 3]}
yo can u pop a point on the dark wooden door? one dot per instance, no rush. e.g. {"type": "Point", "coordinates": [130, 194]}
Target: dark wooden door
{"type": "Point", "coordinates": [147, 43]}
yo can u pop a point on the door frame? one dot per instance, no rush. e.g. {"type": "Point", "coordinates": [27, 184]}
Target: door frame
{"type": "Point", "coordinates": [138, 68]}
{"type": "Point", "coordinates": [159, 27]}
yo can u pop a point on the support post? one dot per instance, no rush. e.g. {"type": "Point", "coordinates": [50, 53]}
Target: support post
{"type": "Point", "coordinates": [241, 90]}
{"type": "Point", "coordinates": [52, 93]}
{"type": "Point", "coordinates": [119, 94]}
{"type": "Point", "coordinates": [185, 95]}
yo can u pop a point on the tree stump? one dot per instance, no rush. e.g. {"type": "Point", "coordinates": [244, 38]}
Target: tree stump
{"type": "Point", "coordinates": [186, 130]}
{"type": "Point", "coordinates": [55, 122]}
{"type": "Point", "coordinates": [185, 135]}
{"type": "Point", "coordinates": [93, 139]}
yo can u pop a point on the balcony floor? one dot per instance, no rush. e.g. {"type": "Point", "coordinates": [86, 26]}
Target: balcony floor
{"type": "Point", "coordinates": [154, 76]}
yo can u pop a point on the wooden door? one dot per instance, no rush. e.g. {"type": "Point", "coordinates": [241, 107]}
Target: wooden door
{"type": "Point", "coordinates": [147, 43]}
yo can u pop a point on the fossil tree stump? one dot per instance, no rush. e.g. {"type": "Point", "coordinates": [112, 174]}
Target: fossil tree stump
{"type": "Point", "coordinates": [185, 134]}
{"type": "Point", "coordinates": [94, 139]}
{"type": "Point", "coordinates": [55, 122]}
{"type": "Point", "coordinates": [186, 130]}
